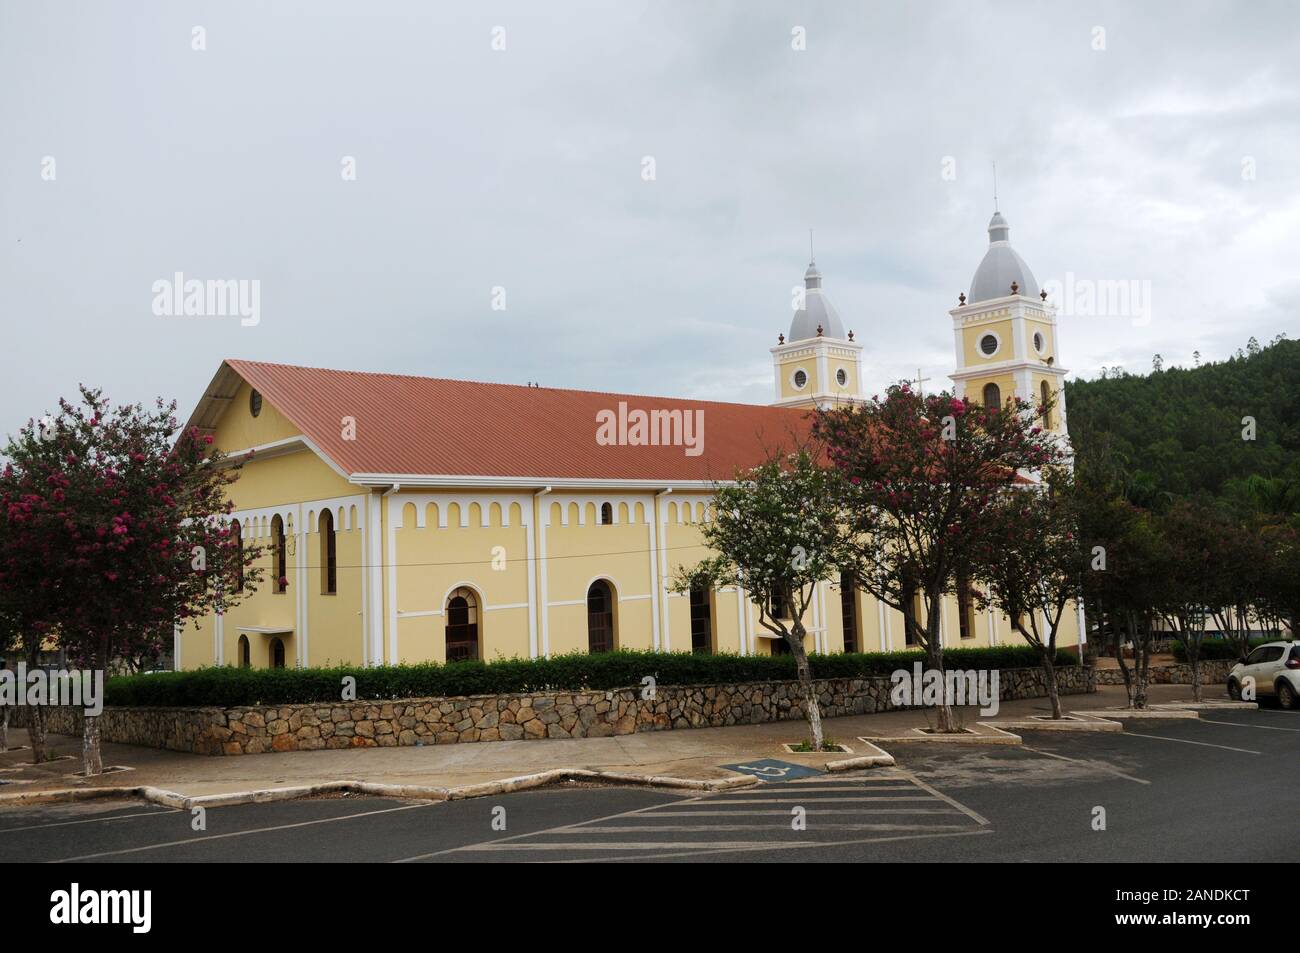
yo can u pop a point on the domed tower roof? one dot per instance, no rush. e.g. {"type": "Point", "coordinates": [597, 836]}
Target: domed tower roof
{"type": "Point", "coordinates": [1000, 267]}
{"type": "Point", "coordinates": [817, 310]}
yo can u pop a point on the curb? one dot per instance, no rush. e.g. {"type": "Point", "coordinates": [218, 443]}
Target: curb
{"type": "Point", "coordinates": [1084, 724]}
{"type": "Point", "coordinates": [994, 736]}
{"type": "Point", "coordinates": [1152, 713]}
{"type": "Point", "coordinates": [524, 782]}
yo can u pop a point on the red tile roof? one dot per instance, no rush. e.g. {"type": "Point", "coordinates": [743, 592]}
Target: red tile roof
{"type": "Point", "coordinates": [435, 427]}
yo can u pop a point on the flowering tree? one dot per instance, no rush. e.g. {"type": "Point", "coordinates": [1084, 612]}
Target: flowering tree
{"type": "Point", "coordinates": [1031, 562]}
{"type": "Point", "coordinates": [775, 533]}
{"type": "Point", "coordinates": [920, 476]}
{"type": "Point", "coordinates": [115, 531]}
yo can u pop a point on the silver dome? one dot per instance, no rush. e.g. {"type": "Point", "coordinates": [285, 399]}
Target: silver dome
{"type": "Point", "coordinates": [1000, 267]}
{"type": "Point", "coordinates": [817, 310]}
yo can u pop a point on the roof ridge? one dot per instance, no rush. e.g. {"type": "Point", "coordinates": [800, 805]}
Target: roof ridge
{"type": "Point", "coordinates": [236, 362]}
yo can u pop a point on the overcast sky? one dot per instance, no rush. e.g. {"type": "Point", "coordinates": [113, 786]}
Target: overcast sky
{"type": "Point", "coordinates": [1157, 143]}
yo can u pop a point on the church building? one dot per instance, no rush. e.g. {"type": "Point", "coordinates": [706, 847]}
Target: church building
{"type": "Point", "coordinates": [412, 519]}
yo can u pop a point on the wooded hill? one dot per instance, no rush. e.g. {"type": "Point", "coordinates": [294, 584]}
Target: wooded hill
{"type": "Point", "coordinates": [1178, 432]}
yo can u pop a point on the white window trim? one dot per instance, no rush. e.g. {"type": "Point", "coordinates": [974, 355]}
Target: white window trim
{"type": "Point", "coordinates": [980, 341]}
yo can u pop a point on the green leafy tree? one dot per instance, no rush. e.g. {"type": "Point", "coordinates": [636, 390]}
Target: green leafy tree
{"type": "Point", "coordinates": [115, 531]}
{"type": "Point", "coordinates": [920, 479]}
{"type": "Point", "coordinates": [1031, 563]}
{"type": "Point", "coordinates": [775, 533]}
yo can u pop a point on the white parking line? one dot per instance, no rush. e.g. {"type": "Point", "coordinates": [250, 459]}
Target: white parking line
{"type": "Point", "coordinates": [1238, 724]}
{"type": "Point", "coordinates": [1184, 741]}
{"type": "Point", "coordinates": [1091, 764]}
{"type": "Point", "coordinates": [90, 820]}
{"type": "Point", "coordinates": [765, 846]}
{"type": "Point", "coordinates": [257, 830]}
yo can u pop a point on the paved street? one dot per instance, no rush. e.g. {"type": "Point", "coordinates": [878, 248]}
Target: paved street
{"type": "Point", "coordinates": [1223, 788]}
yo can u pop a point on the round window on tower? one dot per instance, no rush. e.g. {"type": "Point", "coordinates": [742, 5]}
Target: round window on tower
{"type": "Point", "coordinates": [254, 403]}
{"type": "Point", "coordinates": [800, 380]}
{"type": "Point", "coordinates": [989, 344]}
{"type": "Point", "coordinates": [1038, 342]}
{"type": "Point", "coordinates": [841, 377]}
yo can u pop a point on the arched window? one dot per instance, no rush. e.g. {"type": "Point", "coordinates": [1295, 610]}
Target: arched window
{"type": "Point", "coordinates": [1046, 393]}
{"type": "Point", "coordinates": [965, 608]}
{"type": "Point", "coordinates": [277, 653]}
{"type": "Point", "coordinates": [329, 579]}
{"type": "Point", "coordinates": [992, 396]}
{"type": "Point", "coordinates": [245, 660]}
{"type": "Point", "coordinates": [601, 636]}
{"type": "Point", "coordinates": [237, 553]}
{"type": "Point", "coordinates": [462, 625]}
{"type": "Point", "coordinates": [849, 611]}
{"type": "Point", "coordinates": [606, 514]}
{"type": "Point", "coordinates": [278, 562]}
{"type": "Point", "coordinates": [701, 622]}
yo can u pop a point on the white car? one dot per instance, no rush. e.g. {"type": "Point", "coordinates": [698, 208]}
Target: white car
{"type": "Point", "coordinates": [1274, 669]}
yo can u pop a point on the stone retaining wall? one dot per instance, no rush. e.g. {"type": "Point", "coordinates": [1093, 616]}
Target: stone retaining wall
{"type": "Point", "coordinates": [1213, 672]}
{"type": "Point", "coordinates": [537, 715]}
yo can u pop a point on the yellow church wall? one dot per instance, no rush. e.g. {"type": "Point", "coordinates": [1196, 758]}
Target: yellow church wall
{"type": "Point", "coordinates": [971, 335]}
{"type": "Point", "coordinates": [787, 369]}
{"type": "Point", "coordinates": [239, 429]}
{"type": "Point", "coordinates": [334, 622]}
{"type": "Point", "coordinates": [850, 368]}
{"type": "Point", "coordinates": [1048, 332]}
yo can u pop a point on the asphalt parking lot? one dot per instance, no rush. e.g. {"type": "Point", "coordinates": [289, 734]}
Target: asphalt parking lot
{"type": "Point", "coordinates": [1222, 788]}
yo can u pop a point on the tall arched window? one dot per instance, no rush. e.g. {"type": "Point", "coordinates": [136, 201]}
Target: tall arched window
{"type": "Point", "coordinates": [277, 653]}
{"type": "Point", "coordinates": [462, 625]}
{"type": "Point", "coordinates": [278, 561]}
{"type": "Point", "coordinates": [1046, 393]}
{"type": "Point", "coordinates": [329, 580]}
{"type": "Point", "coordinates": [701, 622]}
{"type": "Point", "coordinates": [992, 396]}
{"type": "Point", "coordinates": [245, 660]}
{"type": "Point", "coordinates": [601, 636]}
{"type": "Point", "coordinates": [606, 514]}
{"type": "Point", "coordinates": [237, 553]}
{"type": "Point", "coordinates": [849, 611]}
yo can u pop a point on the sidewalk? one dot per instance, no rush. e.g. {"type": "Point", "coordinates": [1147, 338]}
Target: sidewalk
{"type": "Point", "coordinates": [693, 754]}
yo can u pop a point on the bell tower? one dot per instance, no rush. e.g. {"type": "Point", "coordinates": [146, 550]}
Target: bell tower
{"type": "Point", "coordinates": [818, 365]}
{"type": "Point", "coordinates": [1005, 334]}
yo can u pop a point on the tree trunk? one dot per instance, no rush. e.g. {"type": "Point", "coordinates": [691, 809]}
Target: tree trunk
{"type": "Point", "coordinates": [811, 708]}
{"type": "Point", "coordinates": [1194, 657]}
{"type": "Point", "coordinates": [1049, 669]}
{"type": "Point", "coordinates": [1123, 666]}
{"type": "Point", "coordinates": [90, 752]}
{"type": "Point", "coordinates": [934, 653]}
{"type": "Point", "coordinates": [1141, 663]}
{"type": "Point", "coordinates": [36, 732]}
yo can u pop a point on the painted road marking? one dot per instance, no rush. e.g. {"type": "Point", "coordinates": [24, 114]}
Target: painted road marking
{"type": "Point", "coordinates": [1184, 741]}
{"type": "Point", "coordinates": [258, 830]}
{"type": "Point", "coordinates": [91, 820]}
{"type": "Point", "coordinates": [924, 813]}
{"type": "Point", "coordinates": [1091, 764]}
{"type": "Point", "coordinates": [770, 769]}
{"type": "Point", "coordinates": [1239, 724]}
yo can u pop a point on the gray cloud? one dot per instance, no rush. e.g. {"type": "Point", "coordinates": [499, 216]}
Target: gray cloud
{"type": "Point", "coordinates": [522, 169]}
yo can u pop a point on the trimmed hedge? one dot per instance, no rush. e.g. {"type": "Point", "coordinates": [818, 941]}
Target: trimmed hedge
{"type": "Point", "coordinates": [1216, 649]}
{"type": "Point", "coordinates": [233, 687]}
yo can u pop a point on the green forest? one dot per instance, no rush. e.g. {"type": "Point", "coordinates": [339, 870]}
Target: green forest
{"type": "Point", "coordinates": [1182, 432]}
